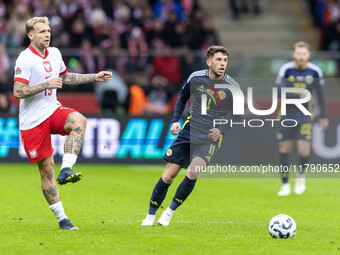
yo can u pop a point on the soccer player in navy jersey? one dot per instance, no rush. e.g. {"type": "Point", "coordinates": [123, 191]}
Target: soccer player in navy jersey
{"type": "Point", "coordinates": [198, 139]}
{"type": "Point", "coordinates": [299, 73]}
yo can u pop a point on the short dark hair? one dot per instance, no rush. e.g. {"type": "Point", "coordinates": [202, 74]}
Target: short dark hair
{"type": "Point", "coordinates": [216, 48]}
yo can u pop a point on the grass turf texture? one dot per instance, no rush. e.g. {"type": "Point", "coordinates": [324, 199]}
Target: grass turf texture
{"type": "Point", "coordinates": [222, 216]}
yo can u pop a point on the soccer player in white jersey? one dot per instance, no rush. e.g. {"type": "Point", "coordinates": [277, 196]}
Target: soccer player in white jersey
{"type": "Point", "coordinates": [39, 72]}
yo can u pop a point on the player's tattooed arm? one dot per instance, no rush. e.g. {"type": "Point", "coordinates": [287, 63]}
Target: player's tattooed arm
{"type": "Point", "coordinates": [78, 79]}
{"type": "Point", "coordinates": [22, 90]}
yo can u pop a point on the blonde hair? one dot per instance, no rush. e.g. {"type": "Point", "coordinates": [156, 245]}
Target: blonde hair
{"type": "Point", "coordinates": [31, 22]}
{"type": "Point", "coordinates": [301, 44]}
{"type": "Point", "coordinates": [216, 48]}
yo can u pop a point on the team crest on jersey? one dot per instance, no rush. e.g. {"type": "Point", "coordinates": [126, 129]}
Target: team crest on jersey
{"type": "Point", "coordinates": [169, 152]}
{"type": "Point", "coordinates": [309, 79]}
{"type": "Point", "coordinates": [33, 153]}
{"type": "Point", "coordinates": [47, 66]}
{"type": "Point", "coordinates": [291, 78]}
{"type": "Point", "coordinates": [221, 94]}
{"type": "Point", "coordinates": [18, 71]}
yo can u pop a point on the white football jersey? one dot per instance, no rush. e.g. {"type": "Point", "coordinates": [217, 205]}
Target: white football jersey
{"type": "Point", "coordinates": [33, 69]}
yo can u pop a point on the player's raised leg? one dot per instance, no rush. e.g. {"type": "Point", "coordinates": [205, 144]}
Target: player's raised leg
{"type": "Point", "coordinates": [51, 194]}
{"type": "Point", "coordinates": [76, 125]}
{"type": "Point", "coordinates": [160, 190]}
{"type": "Point", "coordinates": [183, 190]}
{"type": "Point", "coordinates": [285, 148]}
{"type": "Point", "coordinates": [304, 148]}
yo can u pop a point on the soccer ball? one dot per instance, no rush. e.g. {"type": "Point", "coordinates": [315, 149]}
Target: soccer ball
{"type": "Point", "coordinates": [282, 226]}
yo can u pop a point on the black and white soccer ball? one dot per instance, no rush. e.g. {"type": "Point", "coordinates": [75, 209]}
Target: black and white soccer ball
{"type": "Point", "coordinates": [282, 226]}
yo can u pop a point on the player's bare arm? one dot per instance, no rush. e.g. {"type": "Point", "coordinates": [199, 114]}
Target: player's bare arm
{"type": "Point", "coordinates": [22, 90]}
{"type": "Point", "coordinates": [79, 79]}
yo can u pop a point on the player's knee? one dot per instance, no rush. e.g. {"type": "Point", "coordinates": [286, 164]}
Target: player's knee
{"type": "Point", "coordinates": [47, 170]}
{"type": "Point", "coordinates": [80, 120]}
{"type": "Point", "coordinates": [83, 121]}
{"type": "Point", "coordinates": [168, 179]}
{"type": "Point", "coordinates": [192, 174]}
{"type": "Point", "coordinates": [304, 153]}
{"type": "Point", "coordinates": [284, 148]}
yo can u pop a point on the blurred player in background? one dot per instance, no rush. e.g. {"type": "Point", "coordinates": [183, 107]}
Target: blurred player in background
{"type": "Point", "coordinates": [198, 139]}
{"type": "Point", "coordinates": [299, 73]}
{"type": "Point", "coordinates": [39, 72]}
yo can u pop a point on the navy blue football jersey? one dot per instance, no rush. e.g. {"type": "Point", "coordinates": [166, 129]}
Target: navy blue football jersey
{"type": "Point", "coordinates": [310, 78]}
{"type": "Point", "coordinates": [219, 103]}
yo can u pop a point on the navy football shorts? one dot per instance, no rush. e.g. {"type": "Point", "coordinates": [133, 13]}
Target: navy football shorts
{"type": "Point", "coordinates": [181, 152]}
{"type": "Point", "coordinates": [302, 131]}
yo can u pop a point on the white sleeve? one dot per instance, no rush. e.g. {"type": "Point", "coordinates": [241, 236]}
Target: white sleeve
{"type": "Point", "coordinates": [23, 69]}
{"type": "Point", "coordinates": [62, 68]}
{"type": "Point", "coordinates": [282, 73]}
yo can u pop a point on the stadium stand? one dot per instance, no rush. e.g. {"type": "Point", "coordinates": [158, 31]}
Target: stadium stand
{"type": "Point", "coordinates": [326, 19]}
{"type": "Point", "coordinates": [128, 36]}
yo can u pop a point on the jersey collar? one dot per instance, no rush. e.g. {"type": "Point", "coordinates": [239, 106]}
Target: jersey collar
{"type": "Point", "coordinates": [36, 53]}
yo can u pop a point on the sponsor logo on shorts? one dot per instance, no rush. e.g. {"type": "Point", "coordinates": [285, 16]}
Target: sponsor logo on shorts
{"type": "Point", "coordinates": [33, 153]}
{"type": "Point", "coordinates": [46, 77]}
{"type": "Point", "coordinates": [169, 152]}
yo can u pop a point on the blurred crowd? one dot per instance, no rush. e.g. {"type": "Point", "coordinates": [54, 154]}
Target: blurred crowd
{"type": "Point", "coordinates": [148, 43]}
{"type": "Point", "coordinates": [326, 17]}
{"type": "Point", "coordinates": [240, 8]}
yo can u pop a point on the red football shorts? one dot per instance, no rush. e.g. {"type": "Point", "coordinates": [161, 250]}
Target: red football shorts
{"type": "Point", "coordinates": [37, 141]}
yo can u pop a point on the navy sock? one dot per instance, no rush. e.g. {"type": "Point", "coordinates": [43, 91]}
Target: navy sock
{"type": "Point", "coordinates": [158, 195]}
{"type": "Point", "coordinates": [182, 192]}
{"type": "Point", "coordinates": [302, 164]}
{"type": "Point", "coordinates": [285, 168]}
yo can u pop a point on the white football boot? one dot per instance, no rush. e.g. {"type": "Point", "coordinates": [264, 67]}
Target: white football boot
{"type": "Point", "coordinates": [165, 218]}
{"type": "Point", "coordinates": [285, 190]}
{"type": "Point", "coordinates": [149, 220]}
{"type": "Point", "coordinates": [300, 185]}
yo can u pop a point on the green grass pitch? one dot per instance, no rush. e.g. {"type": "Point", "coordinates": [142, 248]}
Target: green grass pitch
{"type": "Point", "coordinates": [222, 216]}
